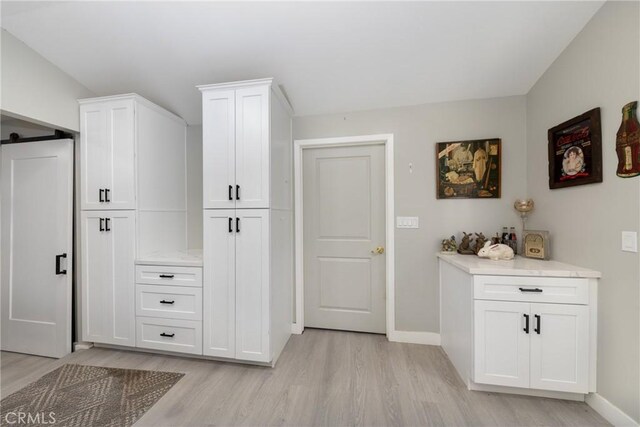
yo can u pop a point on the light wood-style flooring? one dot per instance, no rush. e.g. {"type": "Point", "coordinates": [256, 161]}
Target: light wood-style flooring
{"type": "Point", "coordinates": [323, 378]}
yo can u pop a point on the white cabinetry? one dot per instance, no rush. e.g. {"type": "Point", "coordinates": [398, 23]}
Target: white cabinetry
{"type": "Point", "coordinates": [533, 325]}
{"type": "Point", "coordinates": [108, 248]}
{"type": "Point", "coordinates": [169, 308]}
{"type": "Point", "coordinates": [236, 128]}
{"type": "Point", "coordinates": [247, 198]}
{"type": "Point", "coordinates": [133, 201]}
{"type": "Point", "coordinates": [560, 347]}
{"type": "Point", "coordinates": [501, 345]}
{"type": "Point", "coordinates": [107, 135]}
{"type": "Point", "coordinates": [236, 289]}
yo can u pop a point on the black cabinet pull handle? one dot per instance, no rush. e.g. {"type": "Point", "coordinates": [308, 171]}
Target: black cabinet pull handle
{"type": "Point", "coordinates": [526, 323]}
{"type": "Point", "coordinates": [106, 195]}
{"type": "Point", "coordinates": [230, 191]}
{"type": "Point", "coordinates": [166, 302]}
{"type": "Point", "coordinates": [237, 225]}
{"type": "Point", "coordinates": [58, 258]}
{"type": "Point", "coordinates": [101, 224]}
{"type": "Point", "coordinates": [230, 225]}
{"type": "Point", "coordinates": [538, 324]}
{"type": "Point", "coordinates": [530, 290]}
{"type": "Point", "coordinates": [237, 192]}
{"type": "Point", "coordinates": [101, 195]}
{"type": "Point", "coordinates": [107, 222]}
{"type": "Point", "coordinates": [166, 276]}
{"type": "Point", "coordinates": [167, 335]}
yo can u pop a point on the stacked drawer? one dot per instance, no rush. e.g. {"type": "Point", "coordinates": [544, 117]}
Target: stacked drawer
{"type": "Point", "coordinates": [169, 308]}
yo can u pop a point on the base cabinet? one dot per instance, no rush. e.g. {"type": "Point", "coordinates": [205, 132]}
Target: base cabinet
{"type": "Point", "coordinates": [252, 285]}
{"type": "Point", "coordinates": [219, 284]}
{"type": "Point", "coordinates": [501, 344]}
{"type": "Point", "coordinates": [236, 284]}
{"type": "Point", "coordinates": [108, 296]}
{"type": "Point", "coordinates": [530, 332]}
{"type": "Point", "coordinates": [540, 346]}
{"type": "Point", "coordinates": [560, 347]}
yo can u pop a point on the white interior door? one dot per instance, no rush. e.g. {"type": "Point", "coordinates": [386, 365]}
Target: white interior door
{"type": "Point", "coordinates": [501, 343]}
{"type": "Point", "coordinates": [36, 233]}
{"type": "Point", "coordinates": [344, 224]}
{"type": "Point", "coordinates": [560, 347]}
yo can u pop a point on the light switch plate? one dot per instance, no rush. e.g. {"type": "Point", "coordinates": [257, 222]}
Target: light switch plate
{"type": "Point", "coordinates": [407, 222]}
{"type": "Point", "coordinates": [630, 241]}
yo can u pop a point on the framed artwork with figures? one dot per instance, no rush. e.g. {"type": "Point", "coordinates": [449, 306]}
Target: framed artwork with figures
{"type": "Point", "coordinates": [575, 151]}
{"type": "Point", "coordinates": [468, 169]}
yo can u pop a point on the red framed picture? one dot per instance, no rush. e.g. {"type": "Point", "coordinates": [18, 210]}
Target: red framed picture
{"type": "Point", "coordinates": [575, 151]}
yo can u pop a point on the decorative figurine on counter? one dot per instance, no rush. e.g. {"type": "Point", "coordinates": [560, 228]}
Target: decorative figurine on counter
{"type": "Point", "coordinates": [449, 246]}
{"type": "Point", "coordinates": [496, 252]}
{"type": "Point", "coordinates": [465, 245]}
{"type": "Point", "coordinates": [480, 241]}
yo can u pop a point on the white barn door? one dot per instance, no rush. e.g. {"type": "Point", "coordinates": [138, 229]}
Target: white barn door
{"type": "Point", "coordinates": [36, 246]}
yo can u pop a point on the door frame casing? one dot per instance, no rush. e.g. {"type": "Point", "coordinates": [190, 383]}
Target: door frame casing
{"type": "Point", "coordinates": [299, 145]}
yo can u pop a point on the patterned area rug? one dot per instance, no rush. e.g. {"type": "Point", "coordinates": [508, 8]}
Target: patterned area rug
{"type": "Point", "coordinates": [78, 395]}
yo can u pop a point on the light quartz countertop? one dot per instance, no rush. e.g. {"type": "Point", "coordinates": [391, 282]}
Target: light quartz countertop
{"type": "Point", "coordinates": [188, 258]}
{"type": "Point", "coordinates": [519, 266]}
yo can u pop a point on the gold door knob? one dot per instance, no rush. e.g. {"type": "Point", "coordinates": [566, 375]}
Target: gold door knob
{"type": "Point", "coordinates": [379, 250]}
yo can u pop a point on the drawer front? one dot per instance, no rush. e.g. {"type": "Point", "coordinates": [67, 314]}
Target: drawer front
{"type": "Point", "coordinates": [183, 336]}
{"type": "Point", "coordinates": [171, 302]}
{"type": "Point", "coordinates": [169, 275]}
{"type": "Point", "coordinates": [532, 289]}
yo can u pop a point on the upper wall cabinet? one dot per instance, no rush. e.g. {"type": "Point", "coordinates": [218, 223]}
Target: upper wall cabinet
{"type": "Point", "coordinates": [241, 133]}
{"type": "Point", "coordinates": [132, 155]}
{"type": "Point", "coordinates": [107, 133]}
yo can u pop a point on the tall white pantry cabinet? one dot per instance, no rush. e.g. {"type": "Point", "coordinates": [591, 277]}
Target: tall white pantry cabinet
{"type": "Point", "coordinates": [133, 202]}
{"type": "Point", "coordinates": [248, 224]}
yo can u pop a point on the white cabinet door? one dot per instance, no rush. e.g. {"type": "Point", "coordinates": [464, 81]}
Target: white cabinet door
{"type": "Point", "coordinates": [107, 135]}
{"type": "Point", "coordinates": [252, 285]}
{"type": "Point", "coordinates": [252, 147]}
{"type": "Point", "coordinates": [560, 347]}
{"type": "Point", "coordinates": [501, 343]}
{"type": "Point", "coordinates": [108, 293]}
{"type": "Point", "coordinates": [219, 293]}
{"type": "Point", "coordinates": [218, 149]}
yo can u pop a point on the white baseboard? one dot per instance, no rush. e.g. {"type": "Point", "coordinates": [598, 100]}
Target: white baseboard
{"type": "Point", "coordinates": [82, 345]}
{"type": "Point", "coordinates": [412, 337]}
{"type": "Point", "coordinates": [609, 411]}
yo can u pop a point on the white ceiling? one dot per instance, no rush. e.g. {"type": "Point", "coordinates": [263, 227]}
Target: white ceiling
{"type": "Point", "coordinates": [329, 57]}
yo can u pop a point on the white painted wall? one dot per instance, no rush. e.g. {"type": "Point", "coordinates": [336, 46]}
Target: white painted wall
{"type": "Point", "coordinates": [416, 129]}
{"type": "Point", "coordinates": [600, 68]}
{"type": "Point", "coordinates": [35, 89]}
{"type": "Point", "coordinates": [194, 187]}
{"type": "Point", "coordinates": [23, 128]}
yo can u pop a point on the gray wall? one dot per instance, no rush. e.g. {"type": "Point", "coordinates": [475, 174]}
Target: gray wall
{"type": "Point", "coordinates": [416, 130]}
{"type": "Point", "coordinates": [194, 187]}
{"type": "Point", "coordinates": [35, 89]}
{"type": "Point", "coordinates": [600, 68]}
